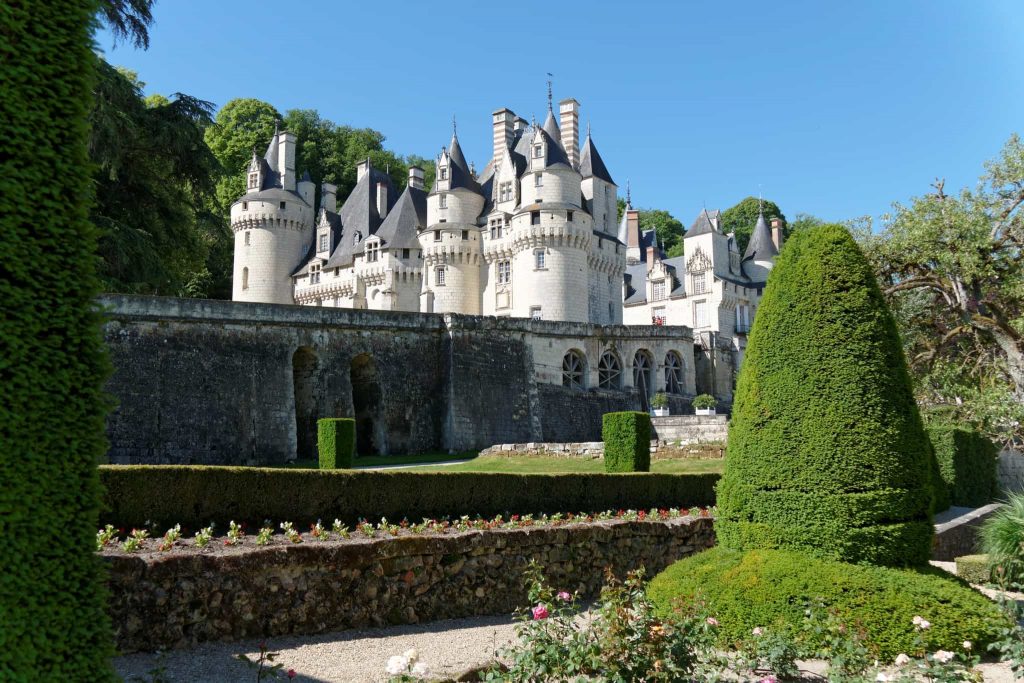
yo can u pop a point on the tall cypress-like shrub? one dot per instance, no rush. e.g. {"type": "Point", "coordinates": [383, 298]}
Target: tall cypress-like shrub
{"type": "Point", "coordinates": [827, 452]}
{"type": "Point", "coordinates": [53, 622]}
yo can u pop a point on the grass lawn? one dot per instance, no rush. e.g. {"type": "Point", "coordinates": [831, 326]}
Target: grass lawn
{"type": "Point", "coordinates": [542, 465]}
{"type": "Point", "coordinates": [384, 460]}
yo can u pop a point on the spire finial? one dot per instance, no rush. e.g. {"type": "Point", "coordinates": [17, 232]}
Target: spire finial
{"type": "Point", "coordinates": [455, 128]}
{"type": "Point", "coordinates": [760, 199]}
{"type": "Point", "coordinates": [629, 198]}
{"type": "Point", "coordinates": [277, 126]}
{"type": "Point", "coordinates": [550, 106]}
{"type": "Point", "coordinates": [588, 128]}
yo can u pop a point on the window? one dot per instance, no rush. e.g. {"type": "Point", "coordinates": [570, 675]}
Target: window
{"type": "Point", "coordinates": [574, 370]}
{"type": "Point", "coordinates": [439, 276]}
{"type": "Point", "coordinates": [245, 206]}
{"type": "Point", "coordinates": [539, 257]}
{"type": "Point", "coordinates": [443, 173]}
{"type": "Point", "coordinates": [437, 235]}
{"type": "Point", "coordinates": [245, 278]}
{"type": "Point", "coordinates": [535, 312]}
{"type": "Point", "coordinates": [658, 290]}
{"type": "Point", "coordinates": [538, 151]}
{"type": "Point", "coordinates": [442, 201]}
{"type": "Point", "coordinates": [535, 218]}
{"type": "Point", "coordinates": [538, 180]}
{"type": "Point", "coordinates": [505, 192]}
{"type": "Point", "coordinates": [609, 371]}
{"type": "Point", "coordinates": [642, 364]}
{"type": "Point", "coordinates": [405, 253]}
{"type": "Point", "coordinates": [568, 217]}
{"type": "Point", "coordinates": [699, 282]}
{"type": "Point", "coordinates": [658, 316]}
{"type": "Point", "coordinates": [673, 373]}
{"type": "Point", "coordinates": [284, 205]}
{"type": "Point", "coordinates": [504, 272]}
{"type": "Point", "coordinates": [372, 251]}
{"type": "Point", "coordinates": [246, 238]}
{"type": "Point", "coordinates": [611, 312]}
{"type": "Point", "coordinates": [254, 181]}
{"type": "Point", "coordinates": [700, 314]}
{"type": "Point", "coordinates": [325, 242]}
{"type": "Point", "coordinates": [314, 274]}
{"type": "Point", "coordinates": [465, 235]}
{"type": "Point", "coordinates": [443, 220]}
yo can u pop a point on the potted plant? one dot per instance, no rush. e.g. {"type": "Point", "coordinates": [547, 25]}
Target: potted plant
{"type": "Point", "coordinates": [705, 404]}
{"type": "Point", "coordinates": [659, 404]}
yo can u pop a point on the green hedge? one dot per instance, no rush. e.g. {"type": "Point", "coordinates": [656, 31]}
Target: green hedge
{"type": "Point", "coordinates": [974, 568]}
{"type": "Point", "coordinates": [196, 496]}
{"type": "Point", "coordinates": [827, 452]}
{"type": "Point", "coordinates": [627, 442]}
{"type": "Point", "coordinates": [771, 588]}
{"type": "Point", "coordinates": [53, 620]}
{"type": "Point", "coordinates": [336, 442]}
{"type": "Point", "coordinates": [967, 463]}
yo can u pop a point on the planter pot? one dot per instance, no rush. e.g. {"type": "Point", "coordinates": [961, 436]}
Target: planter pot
{"type": "Point", "coordinates": [706, 411]}
{"type": "Point", "coordinates": [660, 412]}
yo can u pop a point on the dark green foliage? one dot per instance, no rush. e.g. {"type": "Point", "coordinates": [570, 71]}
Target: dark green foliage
{"type": "Point", "coordinates": [827, 452]}
{"type": "Point", "coordinates": [53, 623]}
{"type": "Point", "coordinates": [772, 588]}
{"type": "Point", "coordinates": [966, 462]}
{"type": "Point", "coordinates": [196, 496]}
{"type": "Point", "coordinates": [742, 217]}
{"type": "Point", "coordinates": [974, 569]}
{"type": "Point", "coordinates": [1001, 537]}
{"type": "Point", "coordinates": [336, 442]}
{"type": "Point", "coordinates": [627, 442]}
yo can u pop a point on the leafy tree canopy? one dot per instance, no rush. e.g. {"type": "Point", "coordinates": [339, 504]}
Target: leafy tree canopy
{"type": "Point", "coordinates": [742, 217]}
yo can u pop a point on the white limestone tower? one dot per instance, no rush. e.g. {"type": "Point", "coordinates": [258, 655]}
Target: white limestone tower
{"type": "Point", "coordinates": [451, 242]}
{"type": "Point", "coordinates": [273, 225]}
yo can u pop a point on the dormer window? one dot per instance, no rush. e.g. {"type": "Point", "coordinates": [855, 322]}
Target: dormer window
{"type": "Point", "coordinates": [699, 282]}
{"type": "Point", "coordinates": [357, 237]}
{"type": "Point", "coordinates": [658, 290]}
{"type": "Point", "coordinates": [505, 192]}
{"type": "Point", "coordinates": [538, 151]}
{"type": "Point", "coordinates": [372, 251]}
{"type": "Point", "coordinates": [314, 273]}
{"type": "Point", "coordinates": [443, 173]}
{"type": "Point", "coordinates": [254, 181]}
{"type": "Point", "coordinates": [325, 242]}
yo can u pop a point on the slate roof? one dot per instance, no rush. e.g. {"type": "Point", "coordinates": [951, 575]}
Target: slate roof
{"type": "Point", "coordinates": [359, 217]}
{"type": "Point", "coordinates": [704, 223]}
{"type": "Point", "coordinates": [761, 247]}
{"type": "Point", "coordinates": [591, 163]}
{"type": "Point", "coordinates": [404, 220]}
{"type": "Point", "coordinates": [551, 128]}
{"type": "Point", "coordinates": [459, 175]}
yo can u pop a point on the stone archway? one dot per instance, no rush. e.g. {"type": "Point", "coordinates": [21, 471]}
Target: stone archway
{"type": "Point", "coordinates": [366, 405]}
{"type": "Point", "coordinates": [304, 367]}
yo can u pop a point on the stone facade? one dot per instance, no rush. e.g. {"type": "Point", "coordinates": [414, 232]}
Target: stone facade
{"type": "Point", "coordinates": [209, 382]}
{"type": "Point", "coordinates": [183, 598]}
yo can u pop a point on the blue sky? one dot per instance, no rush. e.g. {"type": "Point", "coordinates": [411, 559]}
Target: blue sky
{"type": "Point", "coordinates": [834, 109]}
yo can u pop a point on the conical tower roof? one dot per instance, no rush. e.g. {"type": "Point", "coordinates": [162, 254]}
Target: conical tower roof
{"type": "Point", "coordinates": [591, 163]}
{"type": "Point", "coordinates": [761, 247]}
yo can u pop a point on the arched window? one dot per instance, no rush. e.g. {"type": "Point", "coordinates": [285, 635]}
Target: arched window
{"type": "Point", "coordinates": [609, 371]}
{"type": "Point", "coordinates": [574, 370]}
{"type": "Point", "coordinates": [245, 278]}
{"type": "Point", "coordinates": [673, 373]}
{"type": "Point", "coordinates": [643, 365]}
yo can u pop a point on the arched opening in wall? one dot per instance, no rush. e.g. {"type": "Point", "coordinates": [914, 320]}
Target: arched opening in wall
{"type": "Point", "coordinates": [574, 370]}
{"type": "Point", "coordinates": [366, 403]}
{"type": "Point", "coordinates": [609, 371]}
{"type": "Point", "coordinates": [702, 370]}
{"type": "Point", "coordinates": [673, 373]}
{"type": "Point", "coordinates": [304, 366]}
{"type": "Point", "coordinates": [643, 374]}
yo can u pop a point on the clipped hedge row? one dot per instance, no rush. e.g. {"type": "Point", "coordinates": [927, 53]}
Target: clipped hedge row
{"type": "Point", "coordinates": [196, 496]}
{"type": "Point", "coordinates": [967, 463]}
{"type": "Point", "coordinates": [627, 441]}
{"type": "Point", "coordinates": [336, 442]}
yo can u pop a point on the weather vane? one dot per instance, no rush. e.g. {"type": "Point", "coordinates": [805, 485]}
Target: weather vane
{"type": "Point", "coordinates": [550, 76]}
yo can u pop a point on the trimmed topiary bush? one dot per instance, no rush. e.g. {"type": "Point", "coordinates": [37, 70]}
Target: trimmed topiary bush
{"type": "Point", "coordinates": [966, 461]}
{"type": "Point", "coordinates": [826, 452]}
{"type": "Point", "coordinates": [336, 442]}
{"type": "Point", "coordinates": [53, 620]}
{"type": "Point", "coordinates": [627, 442]}
{"type": "Point", "coordinates": [974, 568]}
{"type": "Point", "coordinates": [772, 589]}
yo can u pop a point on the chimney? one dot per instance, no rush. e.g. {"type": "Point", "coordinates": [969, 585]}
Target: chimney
{"type": "Point", "coordinates": [633, 229]}
{"type": "Point", "coordinates": [502, 120]}
{"type": "Point", "coordinates": [519, 124]}
{"type": "Point", "coordinates": [329, 197]}
{"type": "Point", "coordinates": [777, 233]}
{"type": "Point", "coordinates": [362, 168]}
{"type": "Point", "coordinates": [286, 159]}
{"type": "Point", "coordinates": [416, 177]}
{"type": "Point", "coordinates": [569, 113]}
{"type": "Point", "coordinates": [382, 200]}
{"type": "Point", "coordinates": [652, 253]}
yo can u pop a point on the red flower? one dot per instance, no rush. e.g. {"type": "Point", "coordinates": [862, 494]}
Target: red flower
{"type": "Point", "coordinates": [291, 673]}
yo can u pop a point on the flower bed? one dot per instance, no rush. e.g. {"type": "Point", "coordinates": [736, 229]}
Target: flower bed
{"type": "Point", "coordinates": [223, 588]}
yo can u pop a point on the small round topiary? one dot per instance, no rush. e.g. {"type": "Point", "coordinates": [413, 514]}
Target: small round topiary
{"type": "Point", "coordinates": [773, 588]}
{"type": "Point", "coordinates": [827, 452]}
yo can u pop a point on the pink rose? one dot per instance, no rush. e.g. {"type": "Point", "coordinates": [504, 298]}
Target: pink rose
{"type": "Point", "coordinates": [712, 621]}
{"type": "Point", "coordinates": [292, 673]}
{"type": "Point", "coordinates": [540, 612]}
{"type": "Point", "coordinates": [564, 596]}
{"type": "Point", "coordinates": [757, 631]}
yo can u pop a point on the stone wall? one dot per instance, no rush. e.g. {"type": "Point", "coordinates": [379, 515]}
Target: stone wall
{"type": "Point", "coordinates": [1010, 471]}
{"type": "Point", "coordinates": [956, 531]}
{"type": "Point", "coordinates": [690, 429]}
{"type": "Point", "coordinates": [182, 598]}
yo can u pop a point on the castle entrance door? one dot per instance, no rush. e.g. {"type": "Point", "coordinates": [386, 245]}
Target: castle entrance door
{"type": "Point", "coordinates": [366, 404]}
{"type": "Point", "coordinates": [304, 365]}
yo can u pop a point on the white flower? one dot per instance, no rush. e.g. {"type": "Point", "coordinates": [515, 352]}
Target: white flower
{"type": "Point", "coordinates": [397, 665]}
{"type": "Point", "coordinates": [882, 677]}
{"type": "Point", "coordinates": [420, 669]}
{"type": "Point", "coordinates": [967, 645]}
{"type": "Point", "coordinates": [757, 631]}
{"type": "Point", "coordinates": [943, 656]}
{"type": "Point", "coordinates": [902, 659]}
{"type": "Point", "coordinates": [412, 655]}
{"type": "Point", "coordinates": [917, 620]}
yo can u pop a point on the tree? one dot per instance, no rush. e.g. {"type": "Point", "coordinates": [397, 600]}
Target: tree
{"type": "Point", "coordinates": [666, 226]}
{"type": "Point", "coordinates": [803, 221]}
{"type": "Point", "coordinates": [954, 265]}
{"type": "Point", "coordinates": [241, 126]}
{"type": "Point", "coordinates": [827, 452]}
{"type": "Point", "coordinates": [128, 20]}
{"type": "Point", "coordinates": [53, 621]}
{"type": "Point", "coordinates": [742, 217]}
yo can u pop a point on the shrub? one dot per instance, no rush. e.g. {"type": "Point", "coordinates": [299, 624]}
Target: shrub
{"type": "Point", "coordinates": [974, 568]}
{"type": "Point", "coordinates": [826, 452]}
{"type": "Point", "coordinates": [705, 402]}
{"type": "Point", "coordinates": [53, 621]}
{"type": "Point", "coordinates": [627, 442]}
{"type": "Point", "coordinates": [336, 442]}
{"type": "Point", "coordinates": [773, 588]}
{"type": "Point", "coordinates": [966, 461]}
{"type": "Point", "coordinates": [1001, 537]}
{"type": "Point", "coordinates": [196, 496]}
{"type": "Point", "coordinates": [660, 400]}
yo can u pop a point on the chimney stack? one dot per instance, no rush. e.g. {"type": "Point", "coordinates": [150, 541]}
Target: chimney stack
{"type": "Point", "coordinates": [633, 228]}
{"type": "Point", "coordinates": [777, 233]}
{"type": "Point", "coordinates": [416, 177]}
{"type": "Point", "coordinates": [286, 159]}
{"type": "Point", "coordinates": [362, 168]}
{"type": "Point", "coordinates": [519, 124]}
{"type": "Point", "coordinates": [503, 121]}
{"type": "Point", "coordinates": [569, 113]}
{"type": "Point", "coordinates": [382, 200]}
{"type": "Point", "coordinates": [329, 197]}
{"type": "Point", "coordinates": [651, 255]}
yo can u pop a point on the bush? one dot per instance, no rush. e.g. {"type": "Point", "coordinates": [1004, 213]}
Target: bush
{"type": "Point", "coordinates": [336, 442]}
{"type": "Point", "coordinates": [196, 496]}
{"type": "Point", "coordinates": [1001, 537]}
{"type": "Point", "coordinates": [974, 569]}
{"type": "Point", "coordinates": [660, 400]}
{"type": "Point", "coordinates": [772, 589]}
{"type": "Point", "coordinates": [705, 402]}
{"type": "Point", "coordinates": [967, 463]}
{"type": "Point", "coordinates": [627, 442]}
{"type": "Point", "coordinates": [826, 452]}
{"type": "Point", "coordinates": [53, 620]}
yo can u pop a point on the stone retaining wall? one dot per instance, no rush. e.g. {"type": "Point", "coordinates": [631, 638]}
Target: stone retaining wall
{"type": "Point", "coordinates": [185, 597]}
{"type": "Point", "coordinates": [595, 449]}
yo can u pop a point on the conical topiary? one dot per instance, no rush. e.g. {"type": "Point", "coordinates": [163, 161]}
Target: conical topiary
{"type": "Point", "coordinates": [827, 452]}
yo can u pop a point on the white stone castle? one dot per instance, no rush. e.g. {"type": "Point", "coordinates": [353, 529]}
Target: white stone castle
{"type": "Point", "coordinates": [533, 235]}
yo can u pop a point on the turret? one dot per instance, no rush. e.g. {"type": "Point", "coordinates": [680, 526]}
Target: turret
{"type": "Point", "coordinates": [600, 193]}
{"type": "Point", "coordinates": [760, 255]}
